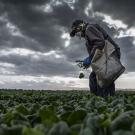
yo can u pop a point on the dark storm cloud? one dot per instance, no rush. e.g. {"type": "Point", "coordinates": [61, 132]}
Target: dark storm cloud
{"type": "Point", "coordinates": [127, 49]}
{"type": "Point", "coordinates": [1, 7]}
{"type": "Point", "coordinates": [120, 9]}
{"type": "Point", "coordinates": [20, 2]}
{"type": "Point", "coordinates": [35, 24]}
{"type": "Point", "coordinates": [76, 51]}
{"type": "Point", "coordinates": [7, 40]}
{"type": "Point", "coordinates": [27, 65]}
{"type": "Point", "coordinates": [41, 26]}
{"type": "Point", "coordinates": [45, 29]}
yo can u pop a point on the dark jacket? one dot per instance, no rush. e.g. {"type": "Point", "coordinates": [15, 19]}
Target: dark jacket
{"type": "Point", "coordinates": [95, 39]}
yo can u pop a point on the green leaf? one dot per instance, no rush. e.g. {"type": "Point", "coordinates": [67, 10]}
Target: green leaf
{"type": "Point", "coordinates": [31, 131]}
{"type": "Point", "coordinates": [122, 132]}
{"type": "Point", "coordinates": [101, 106]}
{"type": "Point", "coordinates": [2, 108]}
{"type": "Point", "coordinates": [124, 121]}
{"type": "Point", "coordinates": [76, 129]}
{"type": "Point", "coordinates": [7, 118]}
{"type": "Point", "coordinates": [48, 117]}
{"type": "Point", "coordinates": [106, 123]}
{"type": "Point", "coordinates": [60, 128]}
{"type": "Point", "coordinates": [33, 119]}
{"type": "Point", "coordinates": [22, 109]}
{"type": "Point", "coordinates": [129, 107]}
{"type": "Point", "coordinates": [18, 116]}
{"type": "Point", "coordinates": [65, 116]}
{"type": "Point", "coordinates": [20, 122]}
{"type": "Point", "coordinates": [41, 128]}
{"type": "Point", "coordinates": [34, 108]}
{"type": "Point", "coordinates": [14, 130]}
{"type": "Point", "coordinates": [87, 131]}
{"type": "Point", "coordinates": [133, 127]}
{"type": "Point", "coordinates": [76, 117]}
{"type": "Point", "coordinates": [92, 125]}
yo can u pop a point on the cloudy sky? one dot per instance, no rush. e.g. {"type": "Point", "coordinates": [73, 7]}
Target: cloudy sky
{"type": "Point", "coordinates": [36, 51]}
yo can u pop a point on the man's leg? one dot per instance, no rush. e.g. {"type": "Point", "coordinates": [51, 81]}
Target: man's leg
{"type": "Point", "coordinates": [109, 91]}
{"type": "Point", "coordinates": [112, 89]}
{"type": "Point", "coordinates": [100, 91]}
{"type": "Point", "coordinates": [97, 90]}
{"type": "Point", "coordinates": [105, 91]}
{"type": "Point", "coordinates": [93, 83]}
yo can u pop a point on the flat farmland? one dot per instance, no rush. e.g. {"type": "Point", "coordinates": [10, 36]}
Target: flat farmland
{"type": "Point", "coordinates": [29, 112]}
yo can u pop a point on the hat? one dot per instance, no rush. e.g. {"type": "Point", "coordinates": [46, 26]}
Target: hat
{"type": "Point", "coordinates": [75, 24]}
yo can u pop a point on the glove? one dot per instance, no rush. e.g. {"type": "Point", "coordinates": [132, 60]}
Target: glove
{"type": "Point", "coordinates": [87, 62]}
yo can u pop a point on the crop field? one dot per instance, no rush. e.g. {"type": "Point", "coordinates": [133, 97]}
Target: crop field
{"type": "Point", "coordinates": [66, 113]}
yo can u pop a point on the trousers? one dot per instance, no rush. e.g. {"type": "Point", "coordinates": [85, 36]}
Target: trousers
{"type": "Point", "coordinates": [97, 90]}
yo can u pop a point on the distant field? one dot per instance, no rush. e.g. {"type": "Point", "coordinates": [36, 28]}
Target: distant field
{"type": "Point", "coordinates": [66, 113]}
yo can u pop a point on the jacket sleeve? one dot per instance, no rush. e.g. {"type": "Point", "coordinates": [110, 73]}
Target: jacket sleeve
{"type": "Point", "coordinates": [95, 37]}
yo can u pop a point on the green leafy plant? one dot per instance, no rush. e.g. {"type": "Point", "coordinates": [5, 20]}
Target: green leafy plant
{"type": "Point", "coordinates": [66, 113]}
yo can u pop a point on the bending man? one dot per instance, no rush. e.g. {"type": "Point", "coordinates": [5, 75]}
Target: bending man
{"type": "Point", "coordinates": [95, 37]}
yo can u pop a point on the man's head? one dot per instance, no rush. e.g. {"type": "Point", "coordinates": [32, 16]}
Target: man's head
{"type": "Point", "coordinates": [77, 28]}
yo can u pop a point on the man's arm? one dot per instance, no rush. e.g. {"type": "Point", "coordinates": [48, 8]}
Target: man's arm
{"type": "Point", "coordinates": [95, 37]}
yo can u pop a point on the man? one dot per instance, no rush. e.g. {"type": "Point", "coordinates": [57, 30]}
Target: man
{"type": "Point", "coordinates": [95, 37]}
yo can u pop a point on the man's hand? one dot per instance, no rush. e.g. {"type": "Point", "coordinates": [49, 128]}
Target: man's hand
{"type": "Point", "coordinates": [86, 62]}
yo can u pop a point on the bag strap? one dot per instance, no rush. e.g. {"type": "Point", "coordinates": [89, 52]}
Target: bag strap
{"type": "Point", "coordinates": [106, 56]}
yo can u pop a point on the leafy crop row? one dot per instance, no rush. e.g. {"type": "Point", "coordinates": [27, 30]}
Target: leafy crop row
{"type": "Point", "coordinates": [66, 113]}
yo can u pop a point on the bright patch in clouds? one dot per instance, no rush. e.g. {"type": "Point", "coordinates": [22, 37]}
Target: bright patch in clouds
{"type": "Point", "coordinates": [126, 81]}
{"type": "Point", "coordinates": [41, 82]}
{"type": "Point", "coordinates": [134, 42]}
{"type": "Point", "coordinates": [18, 51]}
{"type": "Point", "coordinates": [4, 70]}
{"type": "Point", "coordinates": [122, 28]}
{"type": "Point", "coordinates": [131, 31]}
{"type": "Point", "coordinates": [5, 64]}
{"type": "Point", "coordinates": [27, 52]}
{"type": "Point", "coordinates": [47, 8]}
{"type": "Point", "coordinates": [88, 8]}
{"type": "Point", "coordinates": [70, 3]}
{"type": "Point", "coordinates": [56, 2]}
{"type": "Point", "coordinates": [67, 38]}
{"type": "Point", "coordinates": [12, 29]}
{"type": "Point", "coordinates": [126, 33]}
{"type": "Point", "coordinates": [112, 23]}
{"type": "Point", "coordinates": [7, 68]}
